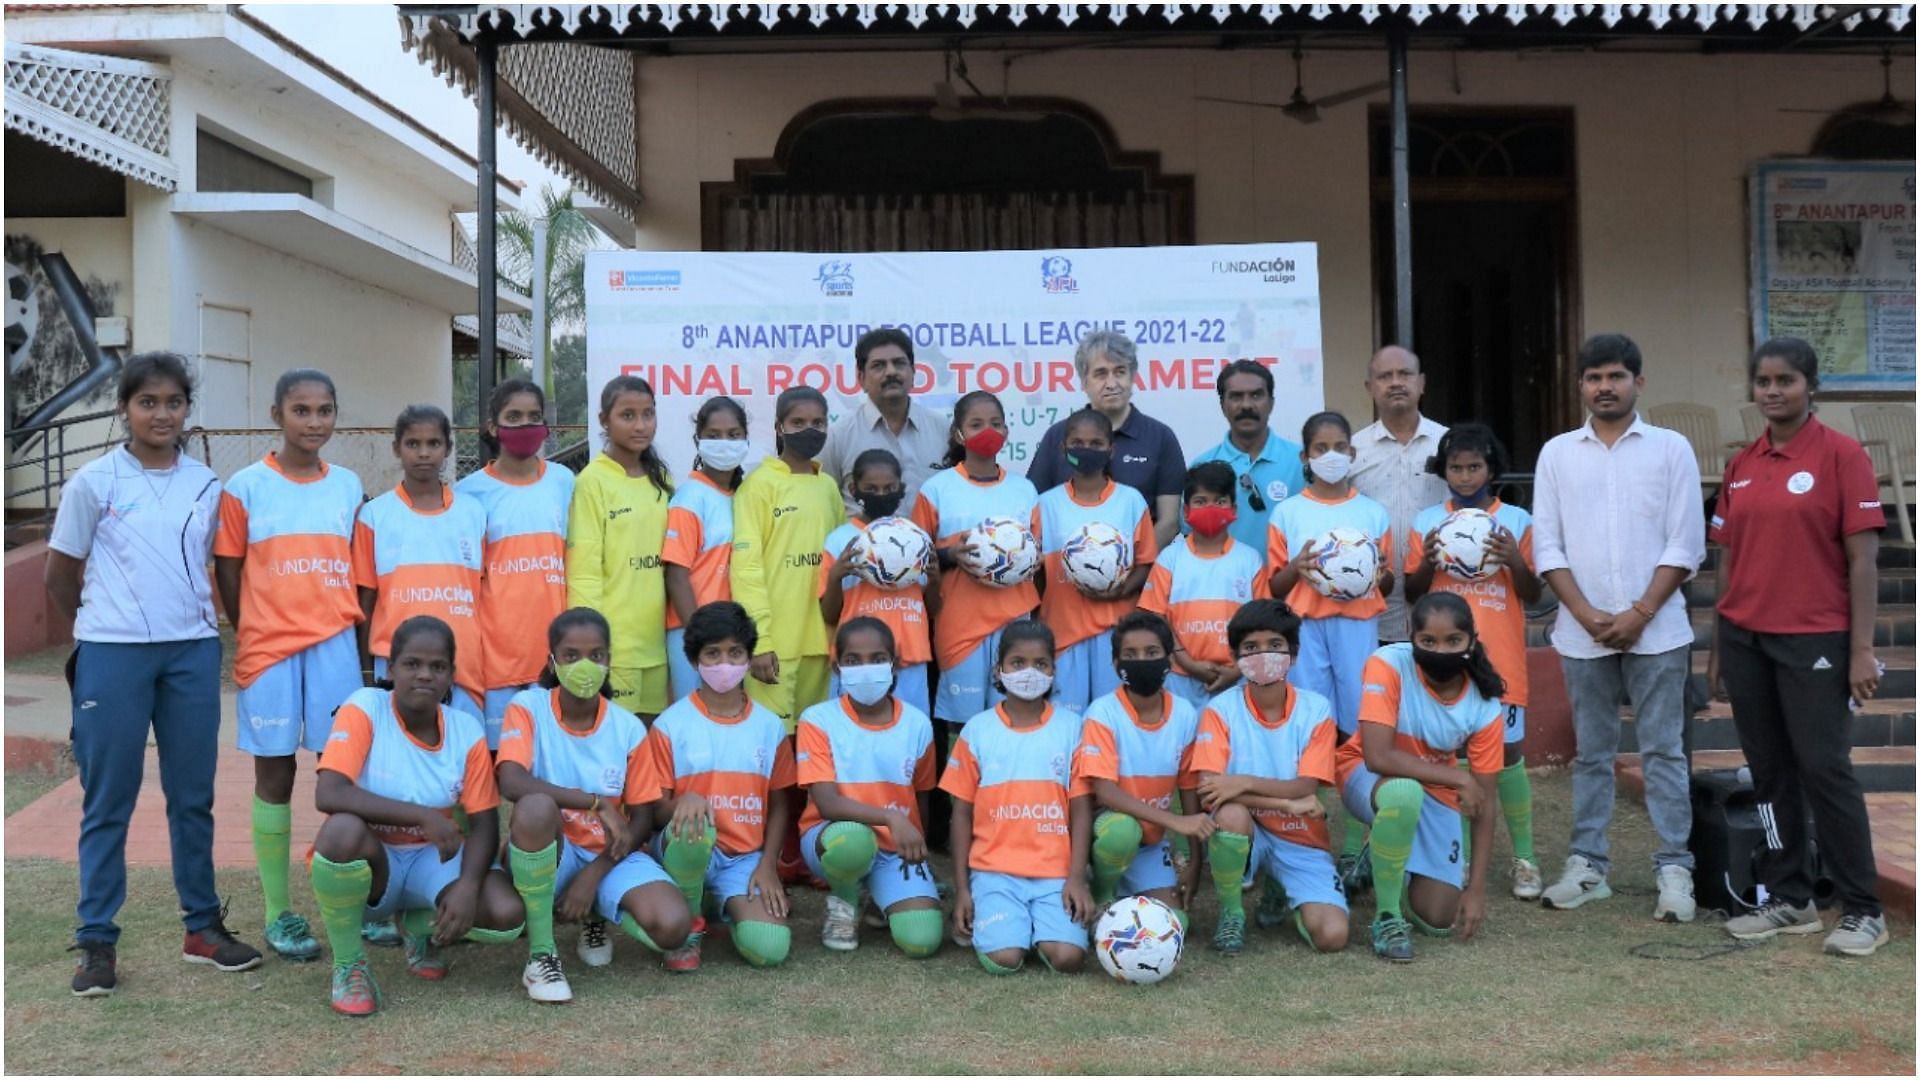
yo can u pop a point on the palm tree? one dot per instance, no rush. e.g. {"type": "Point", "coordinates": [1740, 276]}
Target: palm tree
{"type": "Point", "coordinates": [569, 237]}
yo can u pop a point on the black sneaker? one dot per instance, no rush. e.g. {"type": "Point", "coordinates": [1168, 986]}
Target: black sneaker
{"type": "Point", "coordinates": [217, 946]}
{"type": "Point", "coordinates": [94, 976]}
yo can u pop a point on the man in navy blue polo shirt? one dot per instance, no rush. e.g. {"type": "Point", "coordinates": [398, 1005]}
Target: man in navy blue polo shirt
{"type": "Point", "coordinates": [1266, 466]}
{"type": "Point", "coordinates": [1146, 455]}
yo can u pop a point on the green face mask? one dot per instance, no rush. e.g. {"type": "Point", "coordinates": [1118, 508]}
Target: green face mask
{"type": "Point", "coordinates": [582, 678]}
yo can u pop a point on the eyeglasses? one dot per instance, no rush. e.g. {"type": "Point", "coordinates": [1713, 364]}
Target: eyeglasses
{"type": "Point", "coordinates": [1253, 493]}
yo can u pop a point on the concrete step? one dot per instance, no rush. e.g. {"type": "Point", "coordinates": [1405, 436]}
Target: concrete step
{"type": "Point", "coordinates": [1885, 722]}
{"type": "Point", "coordinates": [1898, 682]}
{"type": "Point", "coordinates": [1897, 586]}
{"type": "Point", "coordinates": [1878, 768]}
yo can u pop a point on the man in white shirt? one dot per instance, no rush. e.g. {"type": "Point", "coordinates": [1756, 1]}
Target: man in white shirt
{"type": "Point", "coordinates": [889, 419]}
{"type": "Point", "coordinates": [1617, 529]}
{"type": "Point", "coordinates": [1390, 460]}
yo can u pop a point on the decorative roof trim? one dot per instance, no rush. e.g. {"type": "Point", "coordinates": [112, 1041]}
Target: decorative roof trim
{"type": "Point", "coordinates": [63, 98]}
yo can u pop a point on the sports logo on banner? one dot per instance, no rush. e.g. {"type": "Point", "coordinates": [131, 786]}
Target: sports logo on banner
{"type": "Point", "coordinates": [751, 325]}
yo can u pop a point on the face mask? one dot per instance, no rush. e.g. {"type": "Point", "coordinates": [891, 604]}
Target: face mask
{"type": "Point", "coordinates": [875, 507]}
{"type": "Point", "coordinates": [723, 678]}
{"type": "Point", "coordinates": [723, 454]}
{"type": "Point", "coordinates": [1027, 684]}
{"type": "Point", "coordinates": [583, 678]}
{"type": "Point", "coordinates": [1145, 677]}
{"type": "Point", "coordinates": [1211, 521]}
{"type": "Point", "coordinates": [867, 684]}
{"type": "Point", "coordinates": [1442, 666]}
{"type": "Point", "coordinates": [986, 442]}
{"type": "Point", "coordinates": [807, 442]}
{"type": "Point", "coordinates": [1331, 467]}
{"type": "Point", "coordinates": [1265, 669]}
{"type": "Point", "coordinates": [523, 441]}
{"type": "Point", "coordinates": [1088, 462]}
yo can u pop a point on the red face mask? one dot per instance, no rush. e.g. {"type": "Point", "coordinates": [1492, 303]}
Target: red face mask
{"type": "Point", "coordinates": [986, 442]}
{"type": "Point", "coordinates": [1210, 521]}
{"type": "Point", "coordinates": [523, 441]}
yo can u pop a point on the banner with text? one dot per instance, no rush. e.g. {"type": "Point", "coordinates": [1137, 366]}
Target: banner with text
{"type": "Point", "coordinates": [750, 325]}
{"type": "Point", "coordinates": [1833, 248]}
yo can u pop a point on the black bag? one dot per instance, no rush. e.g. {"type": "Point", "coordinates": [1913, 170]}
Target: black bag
{"type": "Point", "coordinates": [1728, 841]}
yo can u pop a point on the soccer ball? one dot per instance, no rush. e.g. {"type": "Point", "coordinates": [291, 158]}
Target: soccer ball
{"type": "Point", "coordinates": [1000, 552]}
{"type": "Point", "coordinates": [1138, 940]}
{"type": "Point", "coordinates": [1096, 557]}
{"type": "Point", "coordinates": [1463, 545]}
{"type": "Point", "coordinates": [892, 553]}
{"type": "Point", "coordinates": [1346, 564]}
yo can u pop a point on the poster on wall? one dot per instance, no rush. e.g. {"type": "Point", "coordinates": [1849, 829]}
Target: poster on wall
{"type": "Point", "coordinates": [749, 325]}
{"type": "Point", "coordinates": [1832, 253]}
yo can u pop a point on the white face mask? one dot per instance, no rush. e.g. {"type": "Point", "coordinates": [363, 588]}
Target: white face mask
{"type": "Point", "coordinates": [1265, 669]}
{"type": "Point", "coordinates": [723, 453]}
{"type": "Point", "coordinates": [1027, 684]}
{"type": "Point", "coordinates": [867, 683]}
{"type": "Point", "coordinates": [1331, 466]}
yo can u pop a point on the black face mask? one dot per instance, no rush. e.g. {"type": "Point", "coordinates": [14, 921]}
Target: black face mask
{"type": "Point", "coordinates": [1442, 666]}
{"type": "Point", "coordinates": [807, 442]}
{"type": "Point", "coordinates": [875, 507]}
{"type": "Point", "coordinates": [1088, 462]}
{"type": "Point", "coordinates": [1145, 677]}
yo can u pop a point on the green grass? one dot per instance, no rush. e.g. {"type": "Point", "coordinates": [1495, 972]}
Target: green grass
{"type": "Point", "coordinates": [52, 663]}
{"type": "Point", "coordinates": [1540, 991]}
{"type": "Point", "coordinates": [25, 785]}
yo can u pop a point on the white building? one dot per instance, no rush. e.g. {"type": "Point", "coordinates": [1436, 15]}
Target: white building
{"type": "Point", "coordinates": [220, 192]}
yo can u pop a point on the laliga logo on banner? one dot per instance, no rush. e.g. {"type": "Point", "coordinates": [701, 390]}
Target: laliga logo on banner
{"type": "Point", "coordinates": [1056, 274]}
{"type": "Point", "coordinates": [835, 278]}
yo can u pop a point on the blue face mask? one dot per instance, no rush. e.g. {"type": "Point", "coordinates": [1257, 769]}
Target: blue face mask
{"type": "Point", "coordinates": [867, 684]}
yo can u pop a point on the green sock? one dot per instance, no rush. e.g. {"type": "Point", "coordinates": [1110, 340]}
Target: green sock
{"type": "Point", "coordinates": [1116, 840]}
{"type": "Point", "coordinates": [1174, 840]}
{"type": "Point", "coordinates": [1227, 854]}
{"type": "Point", "coordinates": [631, 926]}
{"type": "Point", "coordinates": [685, 861]}
{"type": "Point", "coordinates": [1396, 817]}
{"type": "Point", "coordinates": [417, 922]}
{"type": "Point", "coordinates": [1353, 832]}
{"type": "Point", "coordinates": [1516, 803]}
{"type": "Point", "coordinates": [917, 932]}
{"type": "Point", "coordinates": [847, 851]}
{"type": "Point", "coordinates": [995, 968]}
{"type": "Point", "coordinates": [1300, 924]}
{"type": "Point", "coordinates": [272, 841]}
{"type": "Point", "coordinates": [341, 891]}
{"type": "Point", "coordinates": [761, 945]}
{"type": "Point", "coordinates": [1180, 916]}
{"type": "Point", "coordinates": [483, 936]}
{"type": "Point", "coordinates": [533, 877]}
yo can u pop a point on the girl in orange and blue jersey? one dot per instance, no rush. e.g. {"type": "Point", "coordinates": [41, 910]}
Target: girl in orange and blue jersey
{"type": "Point", "coordinates": [874, 480]}
{"type": "Point", "coordinates": [699, 549]}
{"type": "Point", "coordinates": [1199, 582]}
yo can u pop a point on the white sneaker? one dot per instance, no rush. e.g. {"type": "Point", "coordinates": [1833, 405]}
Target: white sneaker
{"type": "Point", "coordinates": [595, 948]}
{"type": "Point", "coordinates": [544, 980]}
{"type": "Point", "coordinates": [1527, 882]}
{"type": "Point", "coordinates": [1676, 895]}
{"type": "Point", "coordinates": [841, 931]}
{"type": "Point", "coordinates": [1578, 883]}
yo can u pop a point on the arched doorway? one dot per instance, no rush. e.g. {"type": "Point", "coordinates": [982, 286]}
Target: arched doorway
{"type": "Point", "coordinates": [908, 175]}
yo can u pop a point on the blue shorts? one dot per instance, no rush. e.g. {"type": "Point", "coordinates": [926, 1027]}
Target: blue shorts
{"type": "Point", "coordinates": [1083, 672]}
{"type": "Point", "coordinates": [1306, 874]}
{"type": "Point", "coordinates": [496, 704]}
{"type": "Point", "coordinates": [460, 699]}
{"type": "Point", "coordinates": [1189, 689]}
{"type": "Point", "coordinates": [682, 679]}
{"type": "Point", "coordinates": [637, 869]}
{"type": "Point", "coordinates": [891, 880]}
{"type": "Point", "coordinates": [1151, 868]}
{"type": "Point", "coordinates": [909, 685]}
{"type": "Point", "coordinates": [415, 879]}
{"type": "Point", "coordinates": [1436, 839]}
{"type": "Point", "coordinates": [1333, 655]}
{"type": "Point", "coordinates": [967, 687]}
{"type": "Point", "coordinates": [291, 703]}
{"type": "Point", "coordinates": [728, 876]}
{"type": "Point", "coordinates": [1516, 729]}
{"type": "Point", "coordinates": [1020, 912]}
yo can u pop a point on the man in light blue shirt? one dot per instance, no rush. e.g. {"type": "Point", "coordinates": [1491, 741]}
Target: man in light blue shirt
{"type": "Point", "coordinates": [1267, 466]}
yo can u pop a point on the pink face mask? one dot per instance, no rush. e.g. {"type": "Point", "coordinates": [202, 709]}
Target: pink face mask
{"type": "Point", "coordinates": [1265, 669]}
{"type": "Point", "coordinates": [723, 678]}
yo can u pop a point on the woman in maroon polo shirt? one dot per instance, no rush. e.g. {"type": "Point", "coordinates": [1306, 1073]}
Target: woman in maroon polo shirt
{"type": "Point", "coordinates": [1799, 525]}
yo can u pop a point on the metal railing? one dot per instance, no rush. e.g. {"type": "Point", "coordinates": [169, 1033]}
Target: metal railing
{"type": "Point", "coordinates": [42, 452]}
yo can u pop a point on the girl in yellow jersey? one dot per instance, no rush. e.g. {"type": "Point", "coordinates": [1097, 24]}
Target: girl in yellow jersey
{"type": "Point", "coordinates": [781, 517]}
{"type": "Point", "coordinates": [615, 530]}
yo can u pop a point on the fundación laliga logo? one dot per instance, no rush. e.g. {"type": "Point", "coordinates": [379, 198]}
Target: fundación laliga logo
{"type": "Point", "coordinates": [644, 280]}
{"type": "Point", "coordinates": [835, 278]}
{"type": "Point", "coordinates": [1056, 275]}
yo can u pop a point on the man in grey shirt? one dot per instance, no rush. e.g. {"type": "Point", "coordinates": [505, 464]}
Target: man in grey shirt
{"type": "Point", "coordinates": [1390, 461]}
{"type": "Point", "coordinates": [889, 419]}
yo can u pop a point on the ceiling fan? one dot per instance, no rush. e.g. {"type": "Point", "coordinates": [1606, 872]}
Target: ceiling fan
{"type": "Point", "coordinates": [1300, 107]}
{"type": "Point", "coordinates": [948, 106]}
{"type": "Point", "coordinates": [1888, 110]}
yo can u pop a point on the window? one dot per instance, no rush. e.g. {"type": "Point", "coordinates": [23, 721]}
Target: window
{"type": "Point", "coordinates": [222, 166]}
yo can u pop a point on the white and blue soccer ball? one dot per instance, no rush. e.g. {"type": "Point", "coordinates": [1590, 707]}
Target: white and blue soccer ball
{"type": "Point", "coordinates": [892, 553]}
{"type": "Point", "coordinates": [1345, 564]}
{"type": "Point", "coordinates": [1000, 552]}
{"type": "Point", "coordinates": [1096, 557]}
{"type": "Point", "coordinates": [1464, 553]}
{"type": "Point", "coordinates": [1138, 940]}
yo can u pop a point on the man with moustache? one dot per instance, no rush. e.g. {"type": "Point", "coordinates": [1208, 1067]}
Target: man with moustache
{"type": "Point", "coordinates": [1265, 466]}
{"type": "Point", "coordinates": [1390, 460]}
{"type": "Point", "coordinates": [889, 419]}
